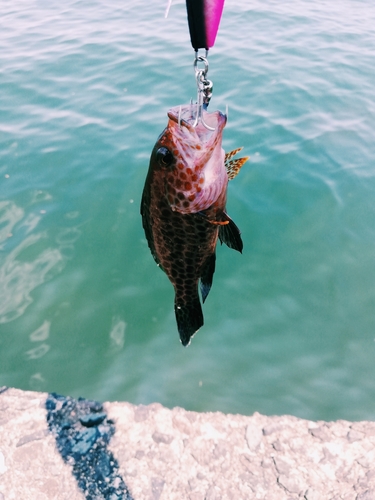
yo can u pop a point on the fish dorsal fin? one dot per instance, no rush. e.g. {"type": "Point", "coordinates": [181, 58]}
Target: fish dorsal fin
{"type": "Point", "coordinates": [146, 222]}
{"type": "Point", "coordinates": [234, 166]}
{"type": "Point", "coordinates": [230, 234]}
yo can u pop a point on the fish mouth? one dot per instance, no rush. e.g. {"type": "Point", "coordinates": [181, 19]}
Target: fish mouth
{"type": "Point", "coordinates": [184, 118]}
{"type": "Point", "coordinates": [199, 157]}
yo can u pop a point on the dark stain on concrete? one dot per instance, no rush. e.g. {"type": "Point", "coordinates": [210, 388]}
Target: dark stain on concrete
{"type": "Point", "coordinates": [82, 432]}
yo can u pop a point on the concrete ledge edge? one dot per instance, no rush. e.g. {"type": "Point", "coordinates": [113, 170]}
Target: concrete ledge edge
{"type": "Point", "coordinates": [169, 454]}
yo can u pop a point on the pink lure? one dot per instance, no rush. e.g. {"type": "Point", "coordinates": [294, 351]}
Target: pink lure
{"type": "Point", "coordinates": [204, 19]}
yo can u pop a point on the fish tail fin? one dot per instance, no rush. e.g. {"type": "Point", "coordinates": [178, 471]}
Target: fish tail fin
{"type": "Point", "coordinates": [189, 317]}
{"type": "Point", "coordinates": [207, 276]}
{"type": "Point", "coordinates": [231, 235]}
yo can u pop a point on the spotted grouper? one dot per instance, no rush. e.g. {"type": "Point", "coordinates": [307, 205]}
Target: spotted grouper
{"type": "Point", "coordinates": [183, 208]}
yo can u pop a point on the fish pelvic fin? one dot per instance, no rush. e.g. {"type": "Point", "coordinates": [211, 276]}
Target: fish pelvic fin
{"type": "Point", "coordinates": [207, 276]}
{"type": "Point", "coordinates": [189, 317]}
{"type": "Point", "coordinates": [230, 234]}
{"type": "Point", "coordinates": [221, 220]}
{"type": "Point", "coordinates": [234, 166]}
{"type": "Point", "coordinates": [218, 222]}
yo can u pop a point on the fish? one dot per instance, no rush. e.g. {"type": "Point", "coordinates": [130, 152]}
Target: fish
{"type": "Point", "coordinates": [183, 208]}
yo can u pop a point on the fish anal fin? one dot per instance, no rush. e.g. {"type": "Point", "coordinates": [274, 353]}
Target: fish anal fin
{"type": "Point", "coordinates": [231, 235]}
{"type": "Point", "coordinates": [207, 276]}
{"type": "Point", "coordinates": [189, 317]}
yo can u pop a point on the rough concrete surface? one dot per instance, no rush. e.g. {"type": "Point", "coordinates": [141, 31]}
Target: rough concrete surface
{"type": "Point", "coordinates": [30, 467]}
{"type": "Point", "coordinates": [176, 454]}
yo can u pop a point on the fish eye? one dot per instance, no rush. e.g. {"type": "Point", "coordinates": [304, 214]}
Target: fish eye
{"type": "Point", "coordinates": [164, 157]}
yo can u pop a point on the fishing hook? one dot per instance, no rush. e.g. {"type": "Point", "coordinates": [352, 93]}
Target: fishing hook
{"type": "Point", "coordinates": [204, 90]}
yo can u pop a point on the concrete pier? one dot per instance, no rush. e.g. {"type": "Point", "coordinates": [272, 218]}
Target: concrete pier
{"type": "Point", "coordinates": [52, 447]}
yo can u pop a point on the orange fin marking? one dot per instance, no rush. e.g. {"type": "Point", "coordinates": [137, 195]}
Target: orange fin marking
{"type": "Point", "coordinates": [218, 222]}
{"type": "Point", "coordinates": [230, 155]}
{"type": "Point", "coordinates": [233, 166]}
{"type": "Point", "coordinates": [224, 219]}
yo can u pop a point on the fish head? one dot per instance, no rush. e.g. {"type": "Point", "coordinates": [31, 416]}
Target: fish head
{"type": "Point", "coordinates": [192, 159]}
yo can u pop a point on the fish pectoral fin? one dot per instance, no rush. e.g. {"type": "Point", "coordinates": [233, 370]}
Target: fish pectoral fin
{"type": "Point", "coordinates": [189, 317]}
{"type": "Point", "coordinates": [234, 166]}
{"type": "Point", "coordinates": [207, 276]}
{"type": "Point", "coordinates": [231, 235]}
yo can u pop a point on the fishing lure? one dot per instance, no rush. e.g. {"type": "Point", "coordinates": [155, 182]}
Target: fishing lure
{"type": "Point", "coordinates": [204, 19]}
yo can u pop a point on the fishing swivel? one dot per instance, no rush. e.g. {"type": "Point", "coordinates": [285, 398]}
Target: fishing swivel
{"type": "Point", "coordinates": [204, 89]}
{"type": "Point", "coordinates": [204, 86]}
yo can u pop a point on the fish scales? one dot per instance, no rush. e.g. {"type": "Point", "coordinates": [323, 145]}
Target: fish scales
{"type": "Point", "coordinates": [183, 210]}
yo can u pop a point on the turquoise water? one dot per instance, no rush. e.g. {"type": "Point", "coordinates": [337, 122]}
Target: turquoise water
{"type": "Point", "coordinates": [290, 324]}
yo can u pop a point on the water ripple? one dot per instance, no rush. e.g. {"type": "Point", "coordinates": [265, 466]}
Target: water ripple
{"type": "Point", "coordinates": [84, 91]}
{"type": "Point", "coordinates": [24, 267]}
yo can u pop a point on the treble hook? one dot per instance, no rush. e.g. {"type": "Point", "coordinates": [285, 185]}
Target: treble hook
{"type": "Point", "coordinates": [204, 90]}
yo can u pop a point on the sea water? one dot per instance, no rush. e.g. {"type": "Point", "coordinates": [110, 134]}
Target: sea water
{"type": "Point", "coordinates": [290, 324]}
